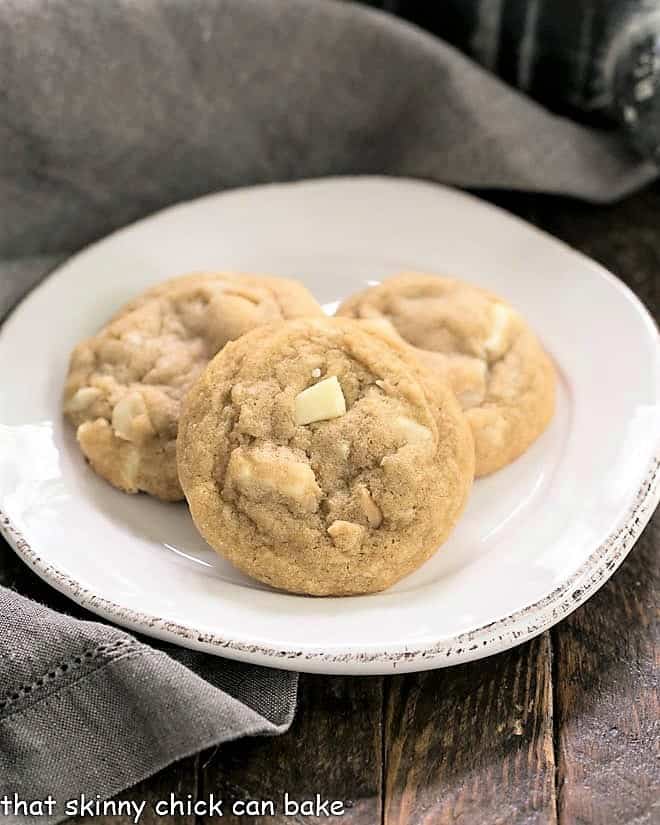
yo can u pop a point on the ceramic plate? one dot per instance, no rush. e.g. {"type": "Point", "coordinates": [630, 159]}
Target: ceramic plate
{"type": "Point", "coordinates": [536, 539]}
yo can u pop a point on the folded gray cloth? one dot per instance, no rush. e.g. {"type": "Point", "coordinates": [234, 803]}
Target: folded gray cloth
{"type": "Point", "coordinates": [110, 110]}
{"type": "Point", "coordinates": [87, 708]}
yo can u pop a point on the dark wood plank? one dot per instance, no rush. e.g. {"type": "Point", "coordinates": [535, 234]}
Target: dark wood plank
{"type": "Point", "coordinates": [5, 556]}
{"type": "Point", "coordinates": [333, 749]}
{"type": "Point", "coordinates": [15, 574]}
{"type": "Point", "coordinates": [9, 565]}
{"type": "Point", "coordinates": [607, 700]}
{"type": "Point", "coordinates": [473, 744]}
{"type": "Point", "coordinates": [607, 653]}
{"type": "Point", "coordinates": [180, 779]}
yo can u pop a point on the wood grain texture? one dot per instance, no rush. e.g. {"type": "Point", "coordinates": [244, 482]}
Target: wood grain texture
{"type": "Point", "coordinates": [334, 748]}
{"type": "Point", "coordinates": [15, 574]}
{"type": "Point", "coordinates": [8, 563]}
{"type": "Point", "coordinates": [607, 700]}
{"type": "Point", "coordinates": [473, 744]}
{"type": "Point", "coordinates": [607, 654]}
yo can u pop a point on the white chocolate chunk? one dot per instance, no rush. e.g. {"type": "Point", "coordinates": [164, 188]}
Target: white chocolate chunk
{"type": "Point", "coordinates": [468, 380]}
{"type": "Point", "coordinates": [126, 411]}
{"type": "Point", "coordinates": [344, 449]}
{"type": "Point", "coordinates": [346, 534]}
{"type": "Point", "coordinates": [83, 429]}
{"type": "Point", "coordinates": [82, 398]}
{"type": "Point", "coordinates": [316, 373]}
{"type": "Point", "coordinates": [274, 470]}
{"type": "Point", "coordinates": [494, 344]}
{"type": "Point", "coordinates": [133, 337]}
{"type": "Point", "coordinates": [320, 402]}
{"type": "Point", "coordinates": [130, 468]}
{"type": "Point", "coordinates": [369, 507]}
{"type": "Point", "coordinates": [410, 430]}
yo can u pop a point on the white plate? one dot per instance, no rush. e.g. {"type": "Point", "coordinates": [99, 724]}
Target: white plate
{"type": "Point", "coordinates": [537, 538]}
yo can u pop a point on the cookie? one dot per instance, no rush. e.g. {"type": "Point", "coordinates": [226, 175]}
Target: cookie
{"type": "Point", "coordinates": [499, 371]}
{"type": "Point", "coordinates": [125, 385]}
{"type": "Point", "coordinates": [321, 458]}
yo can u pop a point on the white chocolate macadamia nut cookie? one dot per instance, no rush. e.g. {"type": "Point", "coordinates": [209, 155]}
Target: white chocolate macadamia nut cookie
{"type": "Point", "coordinates": [481, 346]}
{"type": "Point", "coordinates": [321, 458]}
{"type": "Point", "coordinates": [125, 384]}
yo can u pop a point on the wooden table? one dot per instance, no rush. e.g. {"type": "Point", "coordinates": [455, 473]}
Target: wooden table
{"type": "Point", "coordinates": [565, 728]}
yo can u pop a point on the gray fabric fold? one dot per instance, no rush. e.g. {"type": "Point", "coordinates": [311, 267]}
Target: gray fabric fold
{"type": "Point", "coordinates": [88, 708]}
{"type": "Point", "coordinates": [111, 110]}
{"type": "Point", "coordinates": [92, 709]}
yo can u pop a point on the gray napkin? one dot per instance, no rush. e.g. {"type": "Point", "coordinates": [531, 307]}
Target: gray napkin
{"type": "Point", "coordinates": [111, 110]}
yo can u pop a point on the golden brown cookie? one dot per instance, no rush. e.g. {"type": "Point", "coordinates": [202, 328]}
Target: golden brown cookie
{"type": "Point", "coordinates": [499, 371]}
{"type": "Point", "coordinates": [322, 458]}
{"type": "Point", "coordinates": [125, 385]}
